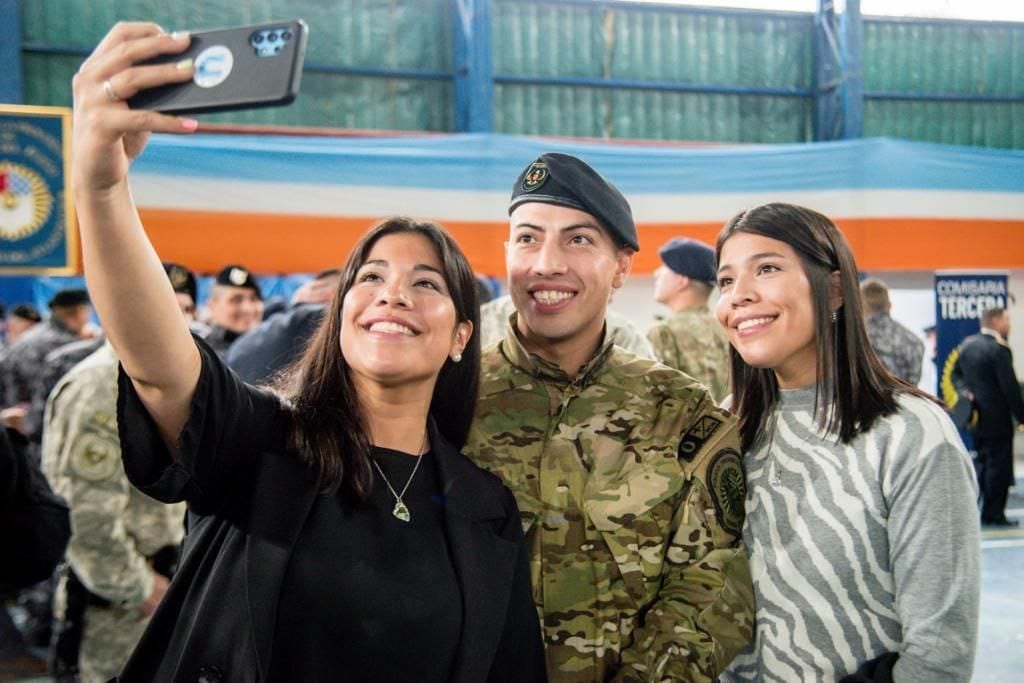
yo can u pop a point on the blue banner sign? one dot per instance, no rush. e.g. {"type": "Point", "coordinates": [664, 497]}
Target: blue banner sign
{"type": "Point", "coordinates": [37, 225]}
{"type": "Point", "coordinates": [960, 299]}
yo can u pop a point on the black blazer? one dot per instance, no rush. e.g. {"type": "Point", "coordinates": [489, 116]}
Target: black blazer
{"type": "Point", "coordinates": [985, 368]}
{"type": "Point", "coordinates": [217, 621]}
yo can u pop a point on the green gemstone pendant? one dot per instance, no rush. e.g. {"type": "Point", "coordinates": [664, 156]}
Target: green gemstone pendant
{"type": "Point", "coordinates": [401, 512]}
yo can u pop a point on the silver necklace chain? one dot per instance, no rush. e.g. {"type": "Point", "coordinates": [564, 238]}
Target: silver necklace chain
{"type": "Point", "coordinates": [401, 510]}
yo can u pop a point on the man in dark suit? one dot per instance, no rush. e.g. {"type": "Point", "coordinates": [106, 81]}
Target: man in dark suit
{"type": "Point", "coordinates": [985, 371]}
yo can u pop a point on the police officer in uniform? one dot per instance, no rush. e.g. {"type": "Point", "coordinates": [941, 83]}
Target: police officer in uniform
{"type": "Point", "coordinates": [124, 544]}
{"type": "Point", "coordinates": [628, 477]}
{"type": "Point", "coordinates": [985, 371]}
{"type": "Point", "coordinates": [690, 340]}
{"type": "Point", "coordinates": [21, 319]}
{"type": "Point", "coordinates": [235, 306]}
{"type": "Point", "coordinates": [68, 322]}
{"type": "Point", "coordinates": [899, 349]}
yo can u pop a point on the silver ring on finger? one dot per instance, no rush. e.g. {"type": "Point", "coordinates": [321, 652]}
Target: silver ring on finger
{"type": "Point", "coordinates": [108, 89]}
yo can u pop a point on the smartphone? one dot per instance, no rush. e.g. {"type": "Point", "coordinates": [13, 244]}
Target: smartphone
{"type": "Point", "coordinates": [235, 68]}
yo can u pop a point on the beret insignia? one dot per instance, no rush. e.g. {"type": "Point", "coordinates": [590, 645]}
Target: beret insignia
{"type": "Point", "coordinates": [535, 176]}
{"type": "Point", "coordinates": [237, 276]}
{"type": "Point", "coordinates": [178, 276]}
{"type": "Point", "coordinates": [728, 487]}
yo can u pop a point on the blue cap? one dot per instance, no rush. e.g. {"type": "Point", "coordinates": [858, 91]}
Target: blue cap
{"type": "Point", "coordinates": [691, 258]}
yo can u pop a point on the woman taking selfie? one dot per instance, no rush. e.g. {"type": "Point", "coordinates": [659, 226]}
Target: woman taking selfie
{"type": "Point", "coordinates": [335, 531]}
{"type": "Point", "coordinates": [861, 526]}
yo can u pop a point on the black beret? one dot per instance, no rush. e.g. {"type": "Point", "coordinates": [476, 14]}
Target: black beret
{"type": "Point", "coordinates": [66, 298]}
{"type": "Point", "coordinates": [567, 181]}
{"type": "Point", "coordinates": [691, 258]}
{"type": "Point", "coordinates": [26, 312]}
{"type": "Point", "coordinates": [182, 280]}
{"type": "Point", "coordinates": [239, 276]}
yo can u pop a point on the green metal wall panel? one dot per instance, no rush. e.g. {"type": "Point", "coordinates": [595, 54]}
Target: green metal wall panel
{"type": "Point", "coordinates": [973, 59]}
{"type": "Point", "coordinates": [980, 58]}
{"type": "Point", "coordinates": [994, 124]}
{"type": "Point", "coordinates": [396, 34]}
{"type": "Point", "coordinates": [728, 49]}
{"type": "Point", "coordinates": [544, 39]}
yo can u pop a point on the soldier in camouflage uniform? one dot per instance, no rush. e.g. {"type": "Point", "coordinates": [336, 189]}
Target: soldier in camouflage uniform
{"type": "Point", "coordinates": [628, 477]}
{"type": "Point", "coordinates": [691, 339]}
{"type": "Point", "coordinates": [494, 317]}
{"type": "Point", "coordinates": [899, 349]}
{"type": "Point", "coordinates": [122, 543]}
{"type": "Point", "coordinates": [116, 530]}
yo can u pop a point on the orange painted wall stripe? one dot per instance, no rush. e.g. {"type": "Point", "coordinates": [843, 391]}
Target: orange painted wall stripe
{"type": "Point", "coordinates": [205, 241]}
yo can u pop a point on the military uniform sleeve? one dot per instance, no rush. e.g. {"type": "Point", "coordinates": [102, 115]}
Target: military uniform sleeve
{"type": "Point", "coordinates": [83, 457]}
{"type": "Point", "coordinates": [627, 336]}
{"type": "Point", "coordinates": [913, 352]}
{"type": "Point", "coordinates": [704, 613]}
{"type": "Point", "coordinates": [22, 363]}
{"type": "Point", "coordinates": [660, 338]}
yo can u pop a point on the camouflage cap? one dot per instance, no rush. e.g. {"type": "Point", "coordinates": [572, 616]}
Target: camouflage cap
{"type": "Point", "coordinates": [565, 180]}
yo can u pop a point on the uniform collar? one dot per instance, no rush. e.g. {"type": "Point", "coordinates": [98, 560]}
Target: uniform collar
{"type": "Point", "coordinates": [535, 366]}
{"type": "Point", "coordinates": [694, 308]}
{"type": "Point", "coordinates": [992, 333]}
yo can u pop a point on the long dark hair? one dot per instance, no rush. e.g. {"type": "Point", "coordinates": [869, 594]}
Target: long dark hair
{"type": "Point", "coordinates": [328, 430]}
{"type": "Point", "coordinates": [853, 387]}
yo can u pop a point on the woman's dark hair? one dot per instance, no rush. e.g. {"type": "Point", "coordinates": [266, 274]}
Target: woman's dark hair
{"type": "Point", "coordinates": [853, 388]}
{"type": "Point", "coordinates": [328, 430]}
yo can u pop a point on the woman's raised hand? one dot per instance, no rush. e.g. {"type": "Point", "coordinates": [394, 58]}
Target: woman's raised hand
{"type": "Point", "coordinates": [107, 134]}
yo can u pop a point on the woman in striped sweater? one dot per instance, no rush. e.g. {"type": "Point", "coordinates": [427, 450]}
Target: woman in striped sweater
{"type": "Point", "coordinates": [861, 526]}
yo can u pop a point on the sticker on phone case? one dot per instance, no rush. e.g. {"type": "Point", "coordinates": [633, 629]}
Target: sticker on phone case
{"type": "Point", "coordinates": [213, 66]}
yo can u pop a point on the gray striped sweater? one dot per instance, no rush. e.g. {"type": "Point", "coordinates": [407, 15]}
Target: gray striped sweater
{"type": "Point", "coordinates": [861, 549]}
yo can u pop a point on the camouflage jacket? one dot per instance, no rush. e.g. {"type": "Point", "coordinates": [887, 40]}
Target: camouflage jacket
{"type": "Point", "coordinates": [631, 492]}
{"type": "Point", "coordinates": [692, 341]}
{"type": "Point", "coordinates": [899, 349]}
{"type": "Point", "coordinates": [494, 317]}
{"type": "Point", "coordinates": [114, 526]}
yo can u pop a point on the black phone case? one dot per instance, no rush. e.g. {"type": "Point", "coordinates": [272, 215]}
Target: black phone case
{"type": "Point", "coordinates": [253, 81]}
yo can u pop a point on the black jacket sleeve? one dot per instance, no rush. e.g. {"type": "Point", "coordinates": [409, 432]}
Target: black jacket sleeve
{"type": "Point", "coordinates": [34, 522]}
{"type": "Point", "coordinates": [229, 422]}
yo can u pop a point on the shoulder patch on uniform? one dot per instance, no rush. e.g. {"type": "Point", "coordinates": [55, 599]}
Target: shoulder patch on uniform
{"type": "Point", "coordinates": [94, 458]}
{"type": "Point", "coordinates": [698, 435]}
{"type": "Point", "coordinates": [728, 487]}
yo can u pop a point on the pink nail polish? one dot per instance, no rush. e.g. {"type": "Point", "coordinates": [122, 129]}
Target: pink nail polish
{"type": "Point", "coordinates": [189, 125]}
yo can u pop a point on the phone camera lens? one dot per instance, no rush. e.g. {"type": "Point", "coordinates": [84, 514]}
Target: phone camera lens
{"type": "Point", "coordinates": [286, 35]}
{"type": "Point", "coordinates": [277, 48]}
{"type": "Point", "coordinates": [271, 37]}
{"type": "Point", "coordinates": [257, 38]}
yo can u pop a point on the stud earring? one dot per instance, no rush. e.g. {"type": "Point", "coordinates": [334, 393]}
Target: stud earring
{"type": "Point", "coordinates": [456, 357]}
